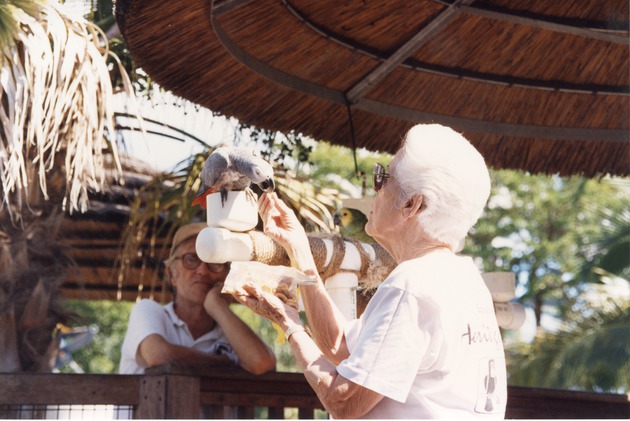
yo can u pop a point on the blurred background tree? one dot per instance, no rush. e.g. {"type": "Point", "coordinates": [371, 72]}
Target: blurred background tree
{"type": "Point", "coordinates": [566, 240]}
{"type": "Point", "coordinates": [552, 232]}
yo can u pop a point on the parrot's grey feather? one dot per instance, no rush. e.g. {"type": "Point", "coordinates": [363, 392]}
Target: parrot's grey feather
{"type": "Point", "coordinates": [215, 165]}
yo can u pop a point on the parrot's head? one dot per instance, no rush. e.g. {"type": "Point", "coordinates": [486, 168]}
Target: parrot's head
{"type": "Point", "coordinates": [267, 185]}
{"type": "Point", "coordinates": [341, 217]}
{"type": "Point", "coordinates": [345, 217]}
{"type": "Point", "coordinates": [352, 223]}
{"type": "Point", "coordinates": [262, 174]}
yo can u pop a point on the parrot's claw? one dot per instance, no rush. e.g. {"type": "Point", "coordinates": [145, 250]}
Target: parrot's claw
{"type": "Point", "coordinates": [251, 195]}
{"type": "Point", "coordinates": [224, 196]}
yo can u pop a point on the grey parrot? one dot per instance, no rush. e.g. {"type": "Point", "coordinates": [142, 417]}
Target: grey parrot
{"type": "Point", "coordinates": [231, 168]}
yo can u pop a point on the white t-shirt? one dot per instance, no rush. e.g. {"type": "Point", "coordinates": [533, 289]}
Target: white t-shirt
{"type": "Point", "coordinates": [430, 343]}
{"type": "Point", "coordinates": [148, 317]}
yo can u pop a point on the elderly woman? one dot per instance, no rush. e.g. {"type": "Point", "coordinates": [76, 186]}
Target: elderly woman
{"type": "Point", "coordinates": [423, 346]}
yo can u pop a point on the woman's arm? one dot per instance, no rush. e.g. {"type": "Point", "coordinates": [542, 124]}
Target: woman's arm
{"type": "Point", "coordinates": [324, 318]}
{"type": "Point", "coordinates": [341, 397]}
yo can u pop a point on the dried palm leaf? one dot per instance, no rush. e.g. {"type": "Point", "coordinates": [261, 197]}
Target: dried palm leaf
{"type": "Point", "coordinates": [56, 98]}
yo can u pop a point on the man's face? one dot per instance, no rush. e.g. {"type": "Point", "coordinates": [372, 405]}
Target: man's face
{"type": "Point", "coordinates": [194, 283]}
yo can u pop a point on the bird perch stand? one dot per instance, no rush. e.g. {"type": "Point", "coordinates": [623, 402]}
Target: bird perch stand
{"type": "Point", "coordinates": [345, 265]}
{"type": "Point", "coordinates": [502, 287]}
{"type": "Point", "coordinates": [239, 213]}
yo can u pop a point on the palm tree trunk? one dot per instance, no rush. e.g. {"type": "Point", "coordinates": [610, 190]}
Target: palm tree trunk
{"type": "Point", "coordinates": [51, 156]}
{"type": "Point", "coordinates": [33, 265]}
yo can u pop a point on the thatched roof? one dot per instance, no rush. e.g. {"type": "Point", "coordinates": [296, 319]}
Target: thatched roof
{"type": "Point", "coordinates": [541, 86]}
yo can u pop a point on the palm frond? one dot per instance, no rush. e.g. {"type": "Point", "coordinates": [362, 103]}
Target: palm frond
{"type": "Point", "coordinates": [56, 98]}
{"type": "Point", "coordinates": [592, 353]}
{"type": "Point", "coordinates": [609, 254]}
{"type": "Point", "coordinates": [12, 12]}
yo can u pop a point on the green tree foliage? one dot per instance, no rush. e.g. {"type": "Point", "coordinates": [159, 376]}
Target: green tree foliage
{"type": "Point", "coordinates": [544, 229]}
{"type": "Point", "coordinates": [564, 238]}
{"type": "Point", "coordinates": [103, 354]}
{"type": "Point", "coordinates": [589, 353]}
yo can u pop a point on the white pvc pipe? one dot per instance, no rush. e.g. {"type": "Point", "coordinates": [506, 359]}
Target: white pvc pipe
{"type": "Point", "coordinates": [510, 315]}
{"type": "Point", "coordinates": [218, 245]}
{"type": "Point", "coordinates": [342, 289]}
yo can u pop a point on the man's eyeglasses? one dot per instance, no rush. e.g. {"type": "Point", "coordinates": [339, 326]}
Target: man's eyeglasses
{"type": "Point", "coordinates": [191, 261]}
{"type": "Point", "coordinates": [378, 176]}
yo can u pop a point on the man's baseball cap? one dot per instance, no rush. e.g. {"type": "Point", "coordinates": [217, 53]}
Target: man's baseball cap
{"type": "Point", "coordinates": [185, 232]}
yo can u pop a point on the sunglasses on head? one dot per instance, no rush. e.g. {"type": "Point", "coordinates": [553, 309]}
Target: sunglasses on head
{"type": "Point", "coordinates": [191, 261]}
{"type": "Point", "coordinates": [378, 176]}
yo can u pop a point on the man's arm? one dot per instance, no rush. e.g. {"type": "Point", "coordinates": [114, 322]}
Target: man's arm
{"type": "Point", "coordinates": [154, 350]}
{"type": "Point", "coordinates": [253, 354]}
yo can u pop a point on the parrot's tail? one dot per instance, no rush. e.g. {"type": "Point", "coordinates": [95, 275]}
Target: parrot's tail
{"type": "Point", "coordinates": [200, 199]}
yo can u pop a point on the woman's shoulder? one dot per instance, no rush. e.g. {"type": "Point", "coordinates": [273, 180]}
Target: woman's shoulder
{"type": "Point", "coordinates": [429, 265]}
{"type": "Point", "coordinates": [424, 274]}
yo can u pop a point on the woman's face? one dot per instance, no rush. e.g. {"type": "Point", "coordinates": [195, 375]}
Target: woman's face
{"type": "Point", "coordinates": [384, 216]}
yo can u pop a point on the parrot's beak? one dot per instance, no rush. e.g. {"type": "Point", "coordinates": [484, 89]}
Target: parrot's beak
{"type": "Point", "coordinates": [268, 185]}
{"type": "Point", "coordinates": [336, 219]}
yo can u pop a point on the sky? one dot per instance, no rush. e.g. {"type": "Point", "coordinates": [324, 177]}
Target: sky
{"type": "Point", "coordinates": [164, 153]}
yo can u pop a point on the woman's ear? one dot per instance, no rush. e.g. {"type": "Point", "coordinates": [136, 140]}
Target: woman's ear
{"type": "Point", "coordinates": [413, 206]}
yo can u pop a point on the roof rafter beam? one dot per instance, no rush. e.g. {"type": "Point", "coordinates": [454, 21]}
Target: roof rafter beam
{"type": "Point", "coordinates": [379, 108]}
{"type": "Point", "coordinates": [459, 73]}
{"type": "Point", "coordinates": [222, 6]}
{"type": "Point", "coordinates": [400, 55]}
{"type": "Point", "coordinates": [618, 36]}
{"type": "Point", "coordinates": [552, 26]}
{"type": "Point", "coordinates": [499, 128]}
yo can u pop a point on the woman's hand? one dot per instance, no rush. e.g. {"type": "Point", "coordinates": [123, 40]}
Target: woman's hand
{"type": "Point", "coordinates": [269, 306]}
{"type": "Point", "coordinates": [280, 222]}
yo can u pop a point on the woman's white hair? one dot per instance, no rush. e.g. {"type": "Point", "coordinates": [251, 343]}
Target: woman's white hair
{"type": "Point", "coordinates": [451, 175]}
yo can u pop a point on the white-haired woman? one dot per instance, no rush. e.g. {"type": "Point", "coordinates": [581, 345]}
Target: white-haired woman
{"type": "Point", "coordinates": [423, 346]}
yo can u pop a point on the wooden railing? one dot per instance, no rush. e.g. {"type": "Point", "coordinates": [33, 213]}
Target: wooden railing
{"type": "Point", "coordinates": [171, 392]}
{"type": "Point", "coordinates": [535, 403]}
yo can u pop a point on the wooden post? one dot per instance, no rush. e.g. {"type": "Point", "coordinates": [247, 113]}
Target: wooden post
{"type": "Point", "coordinates": [306, 413]}
{"type": "Point", "coordinates": [168, 397]}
